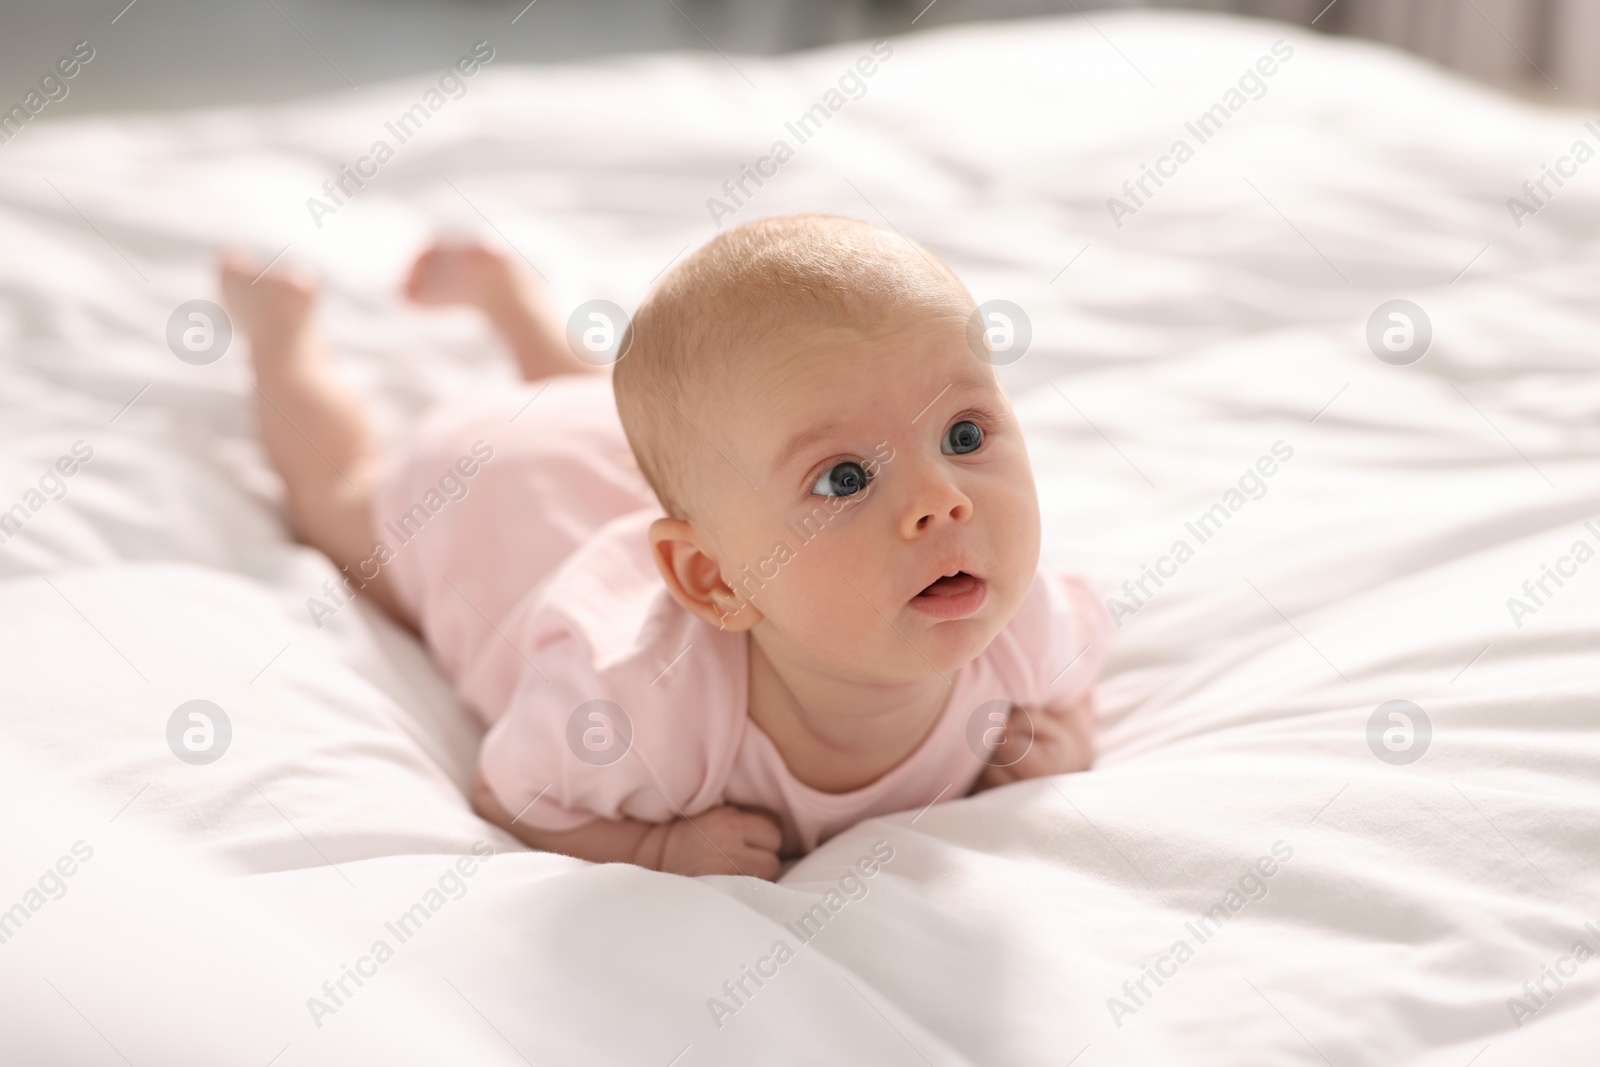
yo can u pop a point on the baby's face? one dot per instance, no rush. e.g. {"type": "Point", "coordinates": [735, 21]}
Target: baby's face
{"type": "Point", "coordinates": [892, 528]}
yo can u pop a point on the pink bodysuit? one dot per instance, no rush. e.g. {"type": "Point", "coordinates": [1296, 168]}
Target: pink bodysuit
{"type": "Point", "coordinates": [517, 526]}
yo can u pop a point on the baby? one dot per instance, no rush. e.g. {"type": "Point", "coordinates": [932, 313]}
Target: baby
{"type": "Point", "coordinates": [789, 581]}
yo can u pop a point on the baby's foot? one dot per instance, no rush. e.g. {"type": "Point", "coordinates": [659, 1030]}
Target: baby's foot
{"type": "Point", "coordinates": [466, 273]}
{"type": "Point", "coordinates": [274, 309]}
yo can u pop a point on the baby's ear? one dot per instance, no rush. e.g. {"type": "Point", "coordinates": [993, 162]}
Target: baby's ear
{"type": "Point", "coordinates": [694, 578]}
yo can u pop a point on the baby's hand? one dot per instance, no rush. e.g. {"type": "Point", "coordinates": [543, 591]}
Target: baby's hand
{"type": "Point", "coordinates": [1063, 742]}
{"type": "Point", "coordinates": [725, 840]}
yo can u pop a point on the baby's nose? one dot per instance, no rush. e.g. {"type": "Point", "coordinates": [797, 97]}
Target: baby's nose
{"type": "Point", "coordinates": [940, 503]}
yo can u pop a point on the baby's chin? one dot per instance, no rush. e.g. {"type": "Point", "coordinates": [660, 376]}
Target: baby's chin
{"type": "Point", "coordinates": [895, 659]}
{"type": "Point", "coordinates": [907, 646]}
{"type": "Point", "coordinates": [951, 645]}
{"type": "Point", "coordinates": [932, 652]}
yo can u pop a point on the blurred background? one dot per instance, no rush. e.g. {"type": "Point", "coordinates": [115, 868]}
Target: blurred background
{"type": "Point", "coordinates": [190, 53]}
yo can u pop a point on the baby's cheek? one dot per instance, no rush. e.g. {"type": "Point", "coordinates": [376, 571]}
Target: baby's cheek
{"type": "Point", "coordinates": [815, 601]}
{"type": "Point", "coordinates": [813, 591]}
{"type": "Point", "coordinates": [1010, 507]}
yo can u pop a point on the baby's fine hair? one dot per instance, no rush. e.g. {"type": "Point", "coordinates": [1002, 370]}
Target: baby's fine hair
{"type": "Point", "coordinates": [726, 301]}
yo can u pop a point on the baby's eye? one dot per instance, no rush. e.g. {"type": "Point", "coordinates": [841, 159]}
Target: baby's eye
{"type": "Point", "coordinates": [842, 479]}
{"type": "Point", "coordinates": [962, 438]}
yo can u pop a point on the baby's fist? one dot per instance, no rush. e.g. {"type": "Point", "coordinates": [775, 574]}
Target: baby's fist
{"type": "Point", "coordinates": [1062, 742]}
{"type": "Point", "coordinates": [725, 840]}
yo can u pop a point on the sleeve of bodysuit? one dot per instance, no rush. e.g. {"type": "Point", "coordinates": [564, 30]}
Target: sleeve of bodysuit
{"type": "Point", "coordinates": [1064, 631]}
{"type": "Point", "coordinates": [617, 703]}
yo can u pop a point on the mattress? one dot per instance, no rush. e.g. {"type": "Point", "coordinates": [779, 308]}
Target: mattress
{"type": "Point", "coordinates": [1347, 803]}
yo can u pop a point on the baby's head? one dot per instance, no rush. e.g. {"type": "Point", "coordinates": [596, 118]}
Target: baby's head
{"type": "Point", "coordinates": [803, 397]}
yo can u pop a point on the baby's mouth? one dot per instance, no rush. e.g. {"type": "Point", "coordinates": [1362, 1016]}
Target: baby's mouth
{"type": "Point", "coordinates": [950, 585]}
{"type": "Point", "coordinates": [952, 596]}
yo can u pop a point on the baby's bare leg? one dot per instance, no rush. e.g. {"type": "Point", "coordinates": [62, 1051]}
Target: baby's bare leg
{"type": "Point", "coordinates": [314, 431]}
{"type": "Point", "coordinates": [484, 277]}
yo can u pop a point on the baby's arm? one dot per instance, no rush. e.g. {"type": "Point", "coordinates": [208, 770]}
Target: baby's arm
{"type": "Point", "coordinates": [1063, 742]}
{"type": "Point", "coordinates": [725, 840]}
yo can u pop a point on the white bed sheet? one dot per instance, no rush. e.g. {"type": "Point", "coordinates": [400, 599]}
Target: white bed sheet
{"type": "Point", "coordinates": [1227, 315]}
